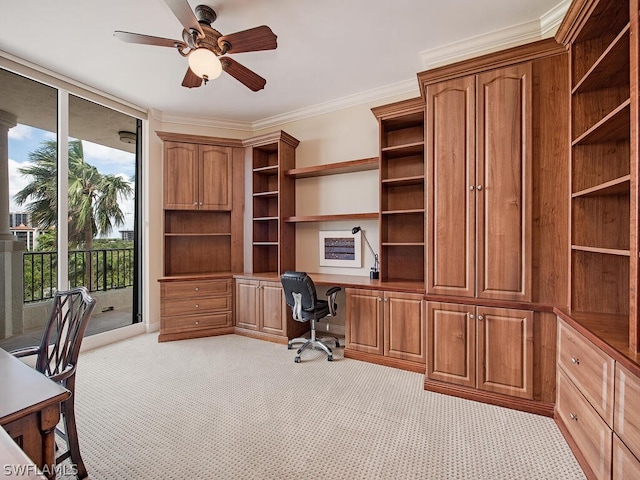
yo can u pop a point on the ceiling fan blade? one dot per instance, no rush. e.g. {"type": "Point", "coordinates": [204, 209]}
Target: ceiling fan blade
{"type": "Point", "coordinates": [148, 39]}
{"type": "Point", "coordinates": [191, 80]}
{"type": "Point", "coordinates": [241, 73]}
{"type": "Point", "coordinates": [183, 12]}
{"type": "Point", "coordinates": [254, 39]}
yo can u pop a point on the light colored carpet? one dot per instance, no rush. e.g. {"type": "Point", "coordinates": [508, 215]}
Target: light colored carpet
{"type": "Point", "coordinates": [232, 407]}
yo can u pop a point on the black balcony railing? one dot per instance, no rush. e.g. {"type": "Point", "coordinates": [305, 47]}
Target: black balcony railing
{"type": "Point", "coordinates": [98, 270]}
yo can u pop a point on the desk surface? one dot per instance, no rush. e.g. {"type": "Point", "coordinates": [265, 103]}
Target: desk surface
{"type": "Point", "coordinates": [347, 281]}
{"type": "Point", "coordinates": [13, 461]}
{"type": "Point", "coordinates": [24, 390]}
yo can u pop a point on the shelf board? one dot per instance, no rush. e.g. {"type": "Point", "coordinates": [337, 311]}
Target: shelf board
{"type": "Point", "coordinates": [615, 126]}
{"type": "Point", "coordinates": [402, 212]}
{"type": "Point", "coordinates": [617, 186]}
{"type": "Point", "coordinates": [266, 194]}
{"type": "Point", "coordinates": [331, 218]}
{"type": "Point", "coordinates": [269, 169]}
{"type": "Point", "coordinates": [409, 149]}
{"type": "Point", "coordinates": [607, 70]}
{"type": "Point", "coordinates": [172, 234]}
{"type": "Point", "coordinates": [414, 180]}
{"type": "Point", "coordinates": [264, 219]}
{"type": "Point", "coordinates": [350, 166]}
{"type": "Point", "coordinates": [403, 244]}
{"type": "Point", "coordinates": [600, 250]}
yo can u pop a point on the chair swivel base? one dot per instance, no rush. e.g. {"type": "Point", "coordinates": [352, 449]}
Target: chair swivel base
{"type": "Point", "coordinates": [316, 345]}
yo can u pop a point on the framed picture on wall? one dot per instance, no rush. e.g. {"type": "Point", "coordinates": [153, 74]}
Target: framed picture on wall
{"type": "Point", "coordinates": [340, 249]}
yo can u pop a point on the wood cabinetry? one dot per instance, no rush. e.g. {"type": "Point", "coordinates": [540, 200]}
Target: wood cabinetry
{"type": "Point", "coordinates": [601, 37]}
{"type": "Point", "coordinates": [195, 307]}
{"type": "Point", "coordinates": [481, 347]}
{"type": "Point", "coordinates": [273, 197]}
{"type": "Point", "coordinates": [402, 211]}
{"type": "Point", "coordinates": [479, 184]}
{"type": "Point", "coordinates": [261, 311]}
{"type": "Point", "coordinates": [496, 223]}
{"type": "Point", "coordinates": [203, 231]}
{"type": "Point", "coordinates": [387, 324]}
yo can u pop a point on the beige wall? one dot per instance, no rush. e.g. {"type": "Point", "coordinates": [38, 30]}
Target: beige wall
{"type": "Point", "coordinates": [347, 134]}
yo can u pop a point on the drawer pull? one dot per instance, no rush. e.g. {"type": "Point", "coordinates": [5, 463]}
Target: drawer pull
{"type": "Point", "coordinates": [573, 416]}
{"type": "Point", "coordinates": [197, 305]}
{"type": "Point", "coordinates": [197, 322]}
{"type": "Point", "coordinates": [575, 361]}
{"type": "Point", "coordinates": [197, 289]}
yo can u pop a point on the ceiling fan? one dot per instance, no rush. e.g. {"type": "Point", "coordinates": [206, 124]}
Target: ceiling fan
{"type": "Point", "coordinates": [206, 48]}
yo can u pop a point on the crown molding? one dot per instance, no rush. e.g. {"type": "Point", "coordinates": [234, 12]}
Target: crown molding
{"type": "Point", "coordinates": [508, 37]}
{"type": "Point", "coordinates": [406, 87]}
{"type": "Point", "coordinates": [193, 120]}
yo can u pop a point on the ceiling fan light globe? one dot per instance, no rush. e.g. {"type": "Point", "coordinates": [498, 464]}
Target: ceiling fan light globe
{"type": "Point", "coordinates": [204, 63]}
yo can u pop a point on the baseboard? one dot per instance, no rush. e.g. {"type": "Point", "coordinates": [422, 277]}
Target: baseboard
{"type": "Point", "coordinates": [208, 332]}
{"type": "Point", "coordinates": [386, 361]}
{"type": "Point", "coordinates": [525, 405]}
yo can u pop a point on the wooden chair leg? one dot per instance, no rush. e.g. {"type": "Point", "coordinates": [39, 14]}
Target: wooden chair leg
{"type": "Point", "coordinates": [69, 416]}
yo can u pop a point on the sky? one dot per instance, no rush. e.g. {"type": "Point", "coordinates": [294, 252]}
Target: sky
{"type": "Point", "coordinates": [24, 139]}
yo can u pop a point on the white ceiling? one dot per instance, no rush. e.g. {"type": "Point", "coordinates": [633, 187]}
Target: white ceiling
{"type": "Point", "coordinates": [327, 49]}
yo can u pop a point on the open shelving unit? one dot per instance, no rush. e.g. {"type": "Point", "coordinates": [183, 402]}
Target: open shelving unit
{"type": "Point", "coordinates": [402, 193]}
{"type": "Point", "coordinates": [603, 253]}
{"type": "Point", "coordinates": [273, 197]}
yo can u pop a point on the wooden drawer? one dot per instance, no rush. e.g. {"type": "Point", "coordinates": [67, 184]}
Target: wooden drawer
{"type": "Point", "coordinates": [195, 322]}
{"type": "Point", "coordinates": [195, 288]}
{"type": "Point", "coordinates": [627, 417]}
{"type": "Point", "coordinates": [590, 369]}
{"type": "Point", "coordinates": [590, 433]}
{"type": "Point", "coordinates": [625, 464]}
{"type": "Point", "coordinates": [195, 305]}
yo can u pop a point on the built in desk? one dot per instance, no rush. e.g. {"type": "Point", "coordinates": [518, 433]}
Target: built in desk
{"type": "Point", "coordinates": [30, 410]}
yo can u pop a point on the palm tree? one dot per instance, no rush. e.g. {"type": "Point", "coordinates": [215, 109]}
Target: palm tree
{"type": "Point", "coordinates": [93, 197]}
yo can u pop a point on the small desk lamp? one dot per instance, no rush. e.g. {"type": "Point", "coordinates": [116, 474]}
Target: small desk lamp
{"type": "Point", "coordinates": [375, 272]}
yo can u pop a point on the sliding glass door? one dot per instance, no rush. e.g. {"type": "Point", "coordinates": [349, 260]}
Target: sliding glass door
{"type": "Point", "coordinates": [73, 201]}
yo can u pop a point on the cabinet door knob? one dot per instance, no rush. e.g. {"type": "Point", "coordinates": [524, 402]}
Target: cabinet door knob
{"type": "Point", "coordinates": [195, 203]}
{"type": "Point", "coordinates": [197, 306]}
{"type": "Point", "coordinates": [471, 187]}
{"type": "Point", "coordinates": [575, 361]}
{"type": "Point", "coordinates": [573, 416]}
{"type": "Point", "coordinates": [197, 289]}
{"type": "Point", "coordinates": [479, 187]}
{"type": "Point", "coordinates": [379, 299]}
{"type": "Point", "coordinates": [480, 317]}
{"type": "Point", "coordinates": [472, 316]}
{"type": "Point", "coordinates": [197, 322]}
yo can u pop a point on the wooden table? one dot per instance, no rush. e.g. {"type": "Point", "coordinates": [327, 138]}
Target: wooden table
{"type": "Point", "coordinates": [30, 410]}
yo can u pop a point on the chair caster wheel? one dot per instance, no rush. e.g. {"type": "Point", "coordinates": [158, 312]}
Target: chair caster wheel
{"type": "Point", "coordinates": [297, 359]}
{"type": "Point", "coordinates": [337, 344]}
{"type": "Point", "coordinates": [289, 347]}
{"type": "Point", "coordinates": [330, 358]}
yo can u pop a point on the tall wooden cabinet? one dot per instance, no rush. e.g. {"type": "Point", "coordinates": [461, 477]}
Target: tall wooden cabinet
{"type": "Point", "coordinates": [203, 233]}
{"type": "Point", "coordinates": [273, 196]}
{"type": "Point", "coordinates": [496, 223]}
{"type": "Point", "coordinates": [479, 184]}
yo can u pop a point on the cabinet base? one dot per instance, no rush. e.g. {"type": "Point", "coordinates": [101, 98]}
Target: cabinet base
{"type": "Point", "coordinates": [386, 361]}
{"type": "Point", "coordinates": [531, 406]}
{"type": "Point", "coordinates": [269, 337]}
{"type": "Point", "coordinates": [207, 332]}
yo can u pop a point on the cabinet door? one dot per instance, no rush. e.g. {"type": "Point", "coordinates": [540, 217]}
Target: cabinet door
{"type": "Point", "coordinates": [452, 343]}
{"type": "Point", "coordinates": [273, 308]}
{"type": "Point", "coordinates": [215, 177]}
{"type": "Point", "coordinates": [247, 304]}
{"type": "Point", "coordinates": [505, 351]}
{"type": "Point", "coordinates": [404, 326]}
{"type": "Point", "coordinates": [503, 183]}
{"type": "Point", "coordinates": [364, 320]}
{"type": "Point", "coordinates": [180, 176]}
{"type": "Point", "coordinates": [450, 174]}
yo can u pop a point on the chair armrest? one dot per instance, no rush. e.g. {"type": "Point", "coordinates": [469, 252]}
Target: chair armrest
{"type": "Point", "coordinates": [25, 352]}
{"type": "Point", "coordinates": [331, 300]}
{"type": "Point", "coordinates": [63, 375]}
